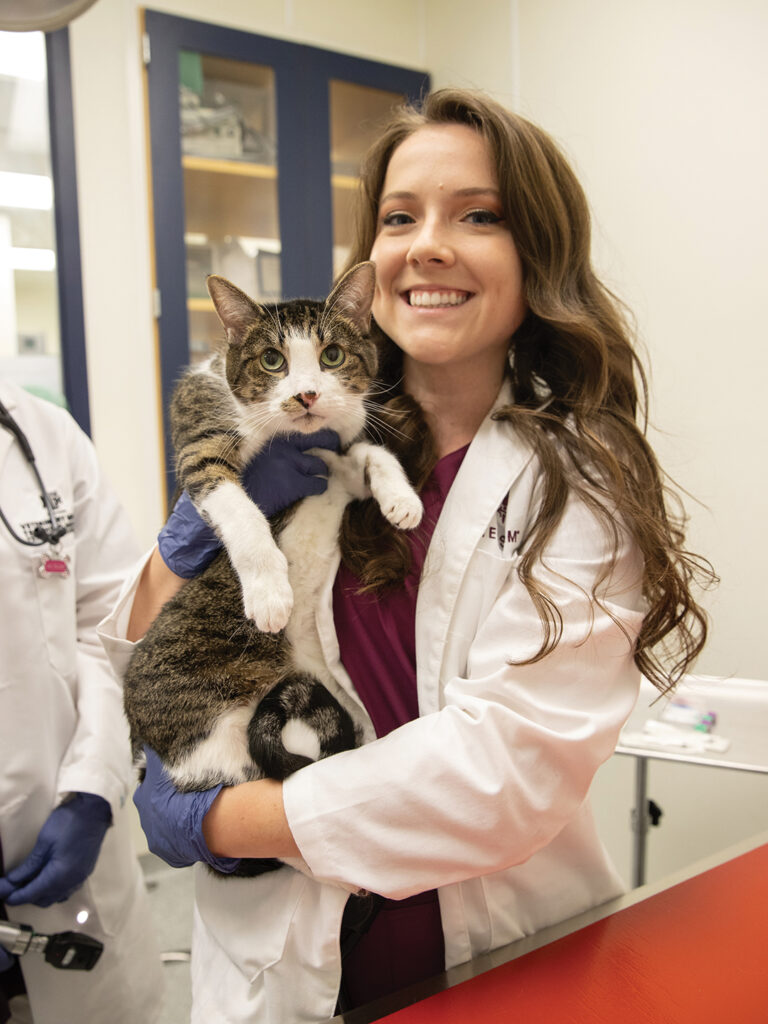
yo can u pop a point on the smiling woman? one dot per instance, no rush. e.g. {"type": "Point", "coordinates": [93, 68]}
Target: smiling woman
{"type": "Point", "coordinates": [495, 652]}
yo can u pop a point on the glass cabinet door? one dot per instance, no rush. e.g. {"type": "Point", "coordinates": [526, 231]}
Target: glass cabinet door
{"type": "Point", "coordinates": [356, 111]}
{"type": "Point", "coordinates": [255, 147]}
{"type": "Point", "coordinates": [229, 159]}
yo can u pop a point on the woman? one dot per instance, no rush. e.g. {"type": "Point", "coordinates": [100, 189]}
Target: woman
{"type": "Point", "coordinates": [501, 650]}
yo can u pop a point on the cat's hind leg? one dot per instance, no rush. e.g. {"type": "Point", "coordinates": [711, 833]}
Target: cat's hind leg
{"type": "Point", "coordinates": [223, 755]}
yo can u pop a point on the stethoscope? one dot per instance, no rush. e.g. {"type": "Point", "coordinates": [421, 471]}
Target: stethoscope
{"type": "Point", "coordinates": [45, 533]}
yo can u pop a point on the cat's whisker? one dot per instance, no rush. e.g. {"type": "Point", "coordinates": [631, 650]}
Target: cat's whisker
{"type": "Point", "coordinates": [379, 388]}
{"type": "Point", "coordinates": [374, 432]}
{"type": "Point", "coordinates": [279, 325]}
{"type": "Point", "coordinates": [382, 427]}
{"type": "Point", "coordinates": [330, 314]}
{"type": "Point", "coordinates": [273, 312]}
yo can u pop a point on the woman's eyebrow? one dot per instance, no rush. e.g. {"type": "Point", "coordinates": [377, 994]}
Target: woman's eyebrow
{"type": "Point", "coordinates": [480, 190]}
{"type": "Point", "coordinates": [397, 195]}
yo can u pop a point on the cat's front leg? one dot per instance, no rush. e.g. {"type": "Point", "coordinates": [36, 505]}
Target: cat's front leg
{"type": "Point", "coordinates": [260, 565]}
{"type": "Point", "coordinates": [385, 479]}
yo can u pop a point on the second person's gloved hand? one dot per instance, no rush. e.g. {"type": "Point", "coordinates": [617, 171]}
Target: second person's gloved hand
{"type": "Point", "coordinates": [282, 473]}
{"type": "Point", "coordinates": [64, 855]}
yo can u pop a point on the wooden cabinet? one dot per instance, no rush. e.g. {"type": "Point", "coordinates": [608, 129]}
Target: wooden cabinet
{"type": "Point", "coordinates": [255, 145]}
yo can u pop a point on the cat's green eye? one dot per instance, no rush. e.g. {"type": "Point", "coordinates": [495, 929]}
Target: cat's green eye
{"type": "Point", "coordinates": [271, 360]}
{"type": "Point", "coordinates": [332, 356]}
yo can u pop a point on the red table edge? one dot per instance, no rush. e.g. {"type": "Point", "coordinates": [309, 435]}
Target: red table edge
{"type": "Point", "coordinates": [464, 972]}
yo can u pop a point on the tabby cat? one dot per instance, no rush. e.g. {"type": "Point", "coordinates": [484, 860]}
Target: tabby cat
{"type": "Point", "coordinates": [215, 687]}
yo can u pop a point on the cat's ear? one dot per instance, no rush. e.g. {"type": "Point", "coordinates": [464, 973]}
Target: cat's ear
{"type": "Point", "coordinates": [353, 295]}
{"type": "Point", "coordinates": [236, 310]}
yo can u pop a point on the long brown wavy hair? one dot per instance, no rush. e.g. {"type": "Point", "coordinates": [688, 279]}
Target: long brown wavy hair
{"type": "Point", "coordinates": [577, 383]}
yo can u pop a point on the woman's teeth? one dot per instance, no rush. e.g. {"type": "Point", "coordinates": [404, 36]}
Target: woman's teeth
{"type": "Point", "coordinates": [437, 298]}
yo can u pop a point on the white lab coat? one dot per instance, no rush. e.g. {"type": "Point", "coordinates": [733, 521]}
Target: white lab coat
{"type": "Point", "coordinates": [62, 727]}
{"type": "Point", "coordinates": [484, 796]}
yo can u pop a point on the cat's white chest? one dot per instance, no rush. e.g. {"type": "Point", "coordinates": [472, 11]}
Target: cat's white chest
{"type": "Point", "coordinates": [310, 541]}
{"type": "Point", "coordinates": [310, 544]}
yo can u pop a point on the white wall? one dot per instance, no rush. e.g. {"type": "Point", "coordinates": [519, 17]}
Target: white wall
{"type": "Point", "coordinates": [477, 52]}
{"type": "Point", "coordinates": [662, 107]}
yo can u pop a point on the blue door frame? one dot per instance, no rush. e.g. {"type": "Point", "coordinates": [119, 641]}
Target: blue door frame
{"type": "Point", "coordinates": [68, 272]}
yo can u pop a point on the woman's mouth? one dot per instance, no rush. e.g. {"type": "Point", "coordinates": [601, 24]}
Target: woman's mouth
{"type": "Point", "coordinates": [435, 299]}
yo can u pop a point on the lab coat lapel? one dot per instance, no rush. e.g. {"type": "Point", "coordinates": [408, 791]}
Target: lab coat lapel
{"type": "Point", "coordinates": [493, 462]}
{"type": "Point", "coordinates": [6, 437]}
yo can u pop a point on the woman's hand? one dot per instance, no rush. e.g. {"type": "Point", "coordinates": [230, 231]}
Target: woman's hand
{"type": "Point", "coordinates": [173, 821]}
{"type": "Point", "coordinates": [280, 474]}
{"type": "Point", "coordinates": [182, 828]}
{"type": "Point", "coordinates": [283, 472]}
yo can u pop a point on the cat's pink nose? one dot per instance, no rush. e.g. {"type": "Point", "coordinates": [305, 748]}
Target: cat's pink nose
{"type": "Point", "coordinates": [306, 398]}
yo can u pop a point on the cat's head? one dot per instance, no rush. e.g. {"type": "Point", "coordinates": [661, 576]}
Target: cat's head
{"type": "Point", "coordinates": [302, 365]}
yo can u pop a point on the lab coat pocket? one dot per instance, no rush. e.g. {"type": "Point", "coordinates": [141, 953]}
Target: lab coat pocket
{"type": "Point", "coordinates": [487, 574]}
{"type": "Point", "coordinates": [111, 887]}
{"type": "Point", "coordinates": [56, 600]}
{"type": "Point", "coordinates": [250, 918]}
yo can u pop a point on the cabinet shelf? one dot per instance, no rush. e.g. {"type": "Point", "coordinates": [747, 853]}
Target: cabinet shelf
{"type": "Point", "coordinates": [345, 181]}
{"type": "Point", "coordinates": [226, 197]}
{"type": "Point", "coordinates": [197, 304]}
{"type": "Point", "coordinates": [219, 165]}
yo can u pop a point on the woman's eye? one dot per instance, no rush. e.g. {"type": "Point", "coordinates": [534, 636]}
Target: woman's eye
{"type": "Point", "coordinates": [483, 217]}
{"type": "Point", "coordinates": [396, 219]}
{"type": "Point", "coordinates": [332, 356]}
{"type": "Point", "coordinates": [272, 360]}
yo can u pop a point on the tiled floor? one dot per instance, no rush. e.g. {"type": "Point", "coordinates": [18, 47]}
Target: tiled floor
{"type": "Point", "coordinates": [170, 897]}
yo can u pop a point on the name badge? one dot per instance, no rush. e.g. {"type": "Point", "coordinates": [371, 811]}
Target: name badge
{"type": "Point", "coordinates": [54, 566]}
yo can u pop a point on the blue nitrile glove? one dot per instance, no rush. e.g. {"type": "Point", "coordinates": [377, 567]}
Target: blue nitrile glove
{"type": "Point", "coordinates": [277, 476]}
{"type": "Point", "coordinates": [64, 855]}
{"type": "Point", "coordinates": [173, 821]}
{"type": "Point", "coordinates": [6, 960]}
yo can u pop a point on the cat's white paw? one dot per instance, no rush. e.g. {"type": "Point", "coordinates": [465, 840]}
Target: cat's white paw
{"type": "Point", "coordinates": [403, 511]}
{"type": "Point", "coordinates": [268, 601]}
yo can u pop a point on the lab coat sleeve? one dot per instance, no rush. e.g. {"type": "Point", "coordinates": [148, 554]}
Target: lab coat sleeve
{"type": "Point", "coordinates": [97, 759]}
{"type": "Point", "coordinates": [493, 776]}
{"type": "Point", "coordinates": [114, 626]}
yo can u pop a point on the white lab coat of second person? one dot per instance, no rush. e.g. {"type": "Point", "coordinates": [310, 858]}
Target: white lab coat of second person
{"type": "Point", "coordinates": [484, 796]}
{"type": "Point", "coordinates": [62, 727]}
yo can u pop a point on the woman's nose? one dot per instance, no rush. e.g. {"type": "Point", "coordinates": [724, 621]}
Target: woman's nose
{"type": "Point", "coordinates": [431, 245]}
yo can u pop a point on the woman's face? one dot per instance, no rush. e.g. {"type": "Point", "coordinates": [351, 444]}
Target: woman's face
{"type": "Point", "coordinates": [449, 281]}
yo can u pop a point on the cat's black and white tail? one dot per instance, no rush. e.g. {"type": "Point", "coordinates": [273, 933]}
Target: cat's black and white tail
{"type": "Point", "coordinates": [296, 723]}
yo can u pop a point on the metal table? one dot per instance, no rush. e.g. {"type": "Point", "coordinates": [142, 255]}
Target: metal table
{"type": "Point", "coordinates": [741, 706]}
